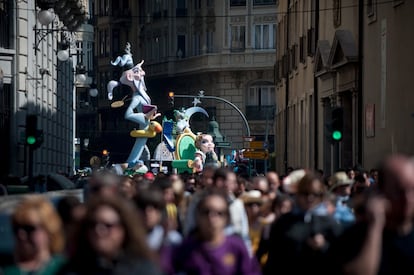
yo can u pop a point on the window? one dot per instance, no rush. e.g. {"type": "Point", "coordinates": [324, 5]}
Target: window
{"type": "Point", "coordinates": [238, 34]}
{"type": "Point", "coordinates": [180, 46]}
{"type": "Point", "coordinates": [237, 3]}
{"type": "Point", "coordinates": [101, 43]}
{"type": "Point", "coordinates": [181, 8]}
{"type": "Point", "coordinates": [260, 101]}
{"type": "Point", "coordinates": [264, 2]}
{"type": "Point", "coordinates": [6, 20]}
{"type": "Point", "coordinates": [302, 49]}
{"type": "Point", "coordinates": [197, 4]}
{"type": "Point", "coordinates": [196, 44]}
{"type": "Point", "coordinates": [89, 56]}
{"type": "Point", "coordinates": [264, 36]}
{"type": "Point", "coordinates": [209, 42]}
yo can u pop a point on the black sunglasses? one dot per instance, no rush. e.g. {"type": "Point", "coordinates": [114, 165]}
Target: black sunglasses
{"type": "Point", "coordinates": [28, 228]}
{"type": "Point", "coordinates": [313, 194]}
{"type": "Point", "coordinates": [106, 225]}
{"type": "Point", "coordinates": [212, 212]}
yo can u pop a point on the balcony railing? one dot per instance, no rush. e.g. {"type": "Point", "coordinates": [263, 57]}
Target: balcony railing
{"type": "Point", "coordinates": [259, 112]}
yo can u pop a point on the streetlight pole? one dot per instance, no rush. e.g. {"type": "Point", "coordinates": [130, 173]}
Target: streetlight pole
{"type": "Point", "coordinates": [201, 95]}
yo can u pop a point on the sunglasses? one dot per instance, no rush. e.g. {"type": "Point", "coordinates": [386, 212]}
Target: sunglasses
{"type": "Point", "coordinates": [213, 213]}
{"type": "Point", "coordinates": [106, 225]}
{"type": "Point", "coordinates": [28, 228]}
{"type": "Point", "coordinates": [313, 194]}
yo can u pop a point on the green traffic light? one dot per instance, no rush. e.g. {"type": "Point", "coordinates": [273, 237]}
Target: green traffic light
{"type": "Point", "coordinates": [31, 140]}
{"type": "Point", "coordinates": [337, 135]}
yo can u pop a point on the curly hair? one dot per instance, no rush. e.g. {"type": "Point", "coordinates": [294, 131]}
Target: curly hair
{"type": "Point", "coordinates": [37, 207]}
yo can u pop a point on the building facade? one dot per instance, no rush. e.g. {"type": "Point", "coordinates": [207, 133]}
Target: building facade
{"type": "Point", "coordinates": [34, 81]}
{"type": "Point", "coordinates": [333, 54]}
{"type": "Point", "coordinates": [225, 48]}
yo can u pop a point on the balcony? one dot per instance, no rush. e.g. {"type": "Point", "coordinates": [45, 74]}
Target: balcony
{"type": "Point", "coordinates": [259, 112]}
{"type": "Point", "coordinates": [212, 62]}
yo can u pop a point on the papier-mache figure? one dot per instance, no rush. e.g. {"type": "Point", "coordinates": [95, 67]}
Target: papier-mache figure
{"type": "Point", "coordinates": [205, 154]}
{"type": "Point", "coordinates": [140, 109]}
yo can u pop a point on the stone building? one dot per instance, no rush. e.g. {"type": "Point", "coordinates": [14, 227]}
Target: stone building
{"type": "Point", "coordinates": [348, 55]}
{"type": "Point", "coordinates": [225, 48]}
{"type": "Point", "coordinates": [34, 81]}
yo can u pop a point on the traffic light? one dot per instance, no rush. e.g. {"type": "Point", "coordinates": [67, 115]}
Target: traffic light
{"type": "Point", "coordinates": [34, 137]}
{"type": "Point", "coordinates": [337, 124]}
{"type": "Point", "coordinates": [105, 157]}
{"type": "Point", "coordinates": [171, 98]}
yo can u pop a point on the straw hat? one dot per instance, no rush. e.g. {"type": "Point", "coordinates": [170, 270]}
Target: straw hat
{"type": "Point", "coordinates": [340, 179]}
{"type": "Point", "coordinates": [252, 196]}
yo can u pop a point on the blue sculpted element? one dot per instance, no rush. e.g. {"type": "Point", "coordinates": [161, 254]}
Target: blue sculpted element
{"type": "Point", "coordinates": [140, 110]}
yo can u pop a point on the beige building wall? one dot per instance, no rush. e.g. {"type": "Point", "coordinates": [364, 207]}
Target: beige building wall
{"type": "Point", "coordinates": [388, 73]}
{"type": "Point", "coordinates": [378, 117]}
{"type": "Point", "coordinates": [304, 127]}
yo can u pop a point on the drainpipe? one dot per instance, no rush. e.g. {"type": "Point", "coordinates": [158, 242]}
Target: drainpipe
{"type": "Point", "coordinates": [285, 158]}
{"type": "Point", "coordinates": [360, 80]}
{"type": "Point", "coordinates": [316, 96]}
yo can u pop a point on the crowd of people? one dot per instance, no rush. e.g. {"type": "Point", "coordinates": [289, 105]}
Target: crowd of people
{"type": "Point", "coordinates": [217, 222]}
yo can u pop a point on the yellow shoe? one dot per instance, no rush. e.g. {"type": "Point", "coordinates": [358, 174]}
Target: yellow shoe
{"type": "Point", "coordinates": [150, 132]}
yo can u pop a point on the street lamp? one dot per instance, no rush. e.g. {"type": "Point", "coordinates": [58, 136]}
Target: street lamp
{"type": "Point", "coordinates": [93, 90]}
{"type": "Point", "coordinates": [80, 74]}
{"type": "Point", "coordinates": [46, 17]}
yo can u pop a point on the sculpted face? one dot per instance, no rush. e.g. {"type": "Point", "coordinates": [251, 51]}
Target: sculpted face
{"type": "Point", "coordinates": [131, 76]}
{"type": "Point", "coordinates": [207, 144]}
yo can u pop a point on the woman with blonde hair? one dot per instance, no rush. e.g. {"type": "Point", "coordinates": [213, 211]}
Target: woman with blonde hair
{"type": "Point", "coordinates": [39, 237]}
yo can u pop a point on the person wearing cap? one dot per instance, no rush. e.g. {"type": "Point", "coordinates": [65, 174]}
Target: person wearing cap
{"type": "Point", "coordinates": [341, 188]}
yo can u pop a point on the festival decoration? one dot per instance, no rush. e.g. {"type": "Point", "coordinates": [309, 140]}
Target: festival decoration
{"type": "Point", "coordinates": [140, 110]}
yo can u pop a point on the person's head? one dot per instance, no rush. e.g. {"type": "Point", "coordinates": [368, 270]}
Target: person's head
{"type": "Point", "coordinates": [166, 185]}
{"type": "Point", "coordinates": [273, 179]}
{"type": "Point", "coordinates": [37, 228]}
{"type": "Point", "coordinates": [111, 227]}
{"type": "Point", "coordinates": [373, 173]}
{"type": "Point", "coordinates": [253, 202]}
{"type": "Point", "coordinates": [310, 192]}
{"type": "Point", "coordinates": [70, 210]}
{"type": "Point", "coordinates": [282, 204]}
{"type": "Point", "coordinates": [206, 176]}
{"type": "Point", "coordinates": [341, 184]}
{"type": "Point", "coordinates": [126, 187]}
{"type": "Point", "coordinates": [350, 172]}
{"type": "Point", "coordinates": [103, 183]}
{"type": "Point", "coordinates": [361, 183]}
{"type": "Point", "coordinates": [212, 214]}
{"type": "Point", "coordinates": [396, 182]}
{"type": "Point", "coordinates": [225, 178]}
{"type": "Point", "coordinates": [261, 184]}
{"type": "Point", "coordinates": [151, 203]}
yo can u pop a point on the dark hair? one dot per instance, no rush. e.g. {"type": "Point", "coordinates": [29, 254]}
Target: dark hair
{"type": "Point", "coordinates": [221, 173]}
{"type": "Point", "coordinates": [65, 207]}
{"type": "Point", "coordinates": [150, 197]}
{"type": "Point", "coordinates": [162, 183]}
{"type": "Point", "coordinates": [134, 244]}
